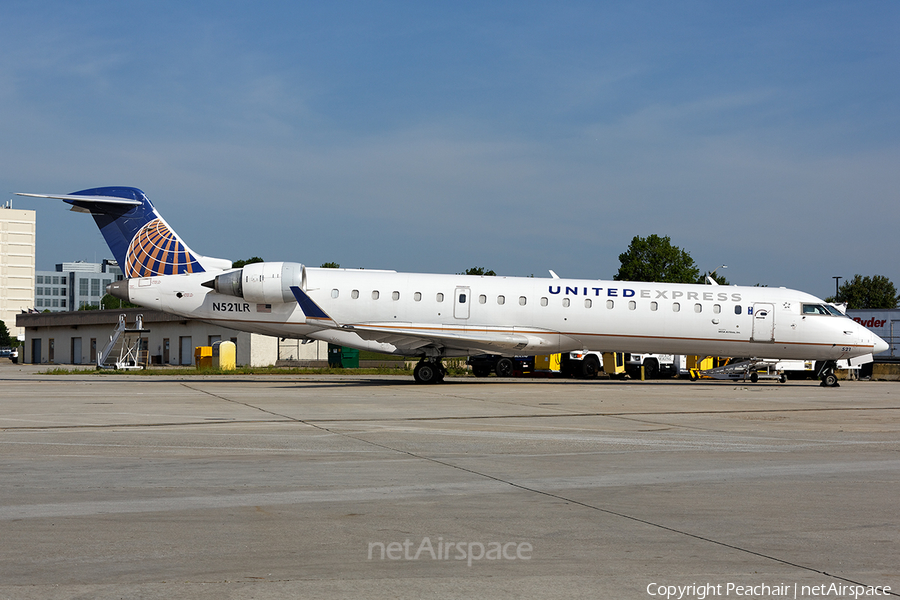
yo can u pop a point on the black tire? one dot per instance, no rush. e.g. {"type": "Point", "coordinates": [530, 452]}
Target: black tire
{"type": "Point", "coordinates": [481, 371]}
{"type": "Point", "coordinates": [504, 368]}
{"type": "Point", "coordinates": [754, 377]}
{"type": "Point", "coordinates": [590, 366]}
{"type": "Point", "coordinates": [426, 372]}
{"type": "Point", "coordinates": [830, 380]}
{"type": "Point", "coordinates": [651, 369]}
{"type": "Point", "coordinates": [782, 378]}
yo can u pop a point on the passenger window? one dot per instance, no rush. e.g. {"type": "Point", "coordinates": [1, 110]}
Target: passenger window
{"type": "Point", "coordinates": [501, 300]}
{"type": "Point", "coordinates": [676, 307]}
{"type": "Point", "coordinates": [632, 305]}
{"type": "Point", "coordinates": [698, 308]}
{"type": "Point", "coordinates": [417, 296]}
{"type": "Point", "coordinates": [522, 301]}
{"type": "Point", "coordinates": [565, 302]}
{"type": "Point", "coordinates": [354, 294]}
{"type": "Point", "coordinates": [462, 298]}
{"type": "Point", "coordinates": [737, 309]}
{"type": "Point", "coordinates": [654, 306]}
{"type": "Point", "coordinates": [395, 295]}
{"type": "Point", "coordinates": [439, 297]}
{"type": "Point", "coordinates": [375, 294]}
{"type": "Point", "coordinates": [544, 302]}
{"type": "Point", "coordinates": [717, 308]}
{"type": "Point", "coordinates": [335, 293]}
{"type": "Point", "coordinates": [587, 303]}
{"type": "Point", "coordinates": [610, 304]}
{"type": "Point", "coordinates": [482, 299]}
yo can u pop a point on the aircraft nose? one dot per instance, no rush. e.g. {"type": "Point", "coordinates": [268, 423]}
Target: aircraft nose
{"type": "Point", "coordinates": [880, 345]}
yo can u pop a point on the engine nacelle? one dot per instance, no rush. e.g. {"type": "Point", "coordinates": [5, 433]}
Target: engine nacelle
{"type": "Point", "coordinates": [265, 282]}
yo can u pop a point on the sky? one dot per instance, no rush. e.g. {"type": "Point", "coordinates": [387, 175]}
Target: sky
{"type": "Point", "coordinates": [437, 136]}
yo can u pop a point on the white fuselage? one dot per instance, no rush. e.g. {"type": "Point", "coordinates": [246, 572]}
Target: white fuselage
{"type": "Point", "coordinates": [551, 315]}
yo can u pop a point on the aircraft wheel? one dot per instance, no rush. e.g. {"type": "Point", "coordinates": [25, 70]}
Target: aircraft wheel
{"type": "Point", "coordinates": [830, 380]}
{"type": "Point", "coordinates": [426, 372]}
{"type": "Point", "coordinates": [782, 378]}
{"type": "Point", "coordinates": [504, 367]}
{"type": "Point", "coordinates": [651, 369]}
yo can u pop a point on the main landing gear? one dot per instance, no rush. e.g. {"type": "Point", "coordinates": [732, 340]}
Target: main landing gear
{"type": "Point", "coordinates": [825, 371]}
{"type": "Point", "coordinates": [429, 370]}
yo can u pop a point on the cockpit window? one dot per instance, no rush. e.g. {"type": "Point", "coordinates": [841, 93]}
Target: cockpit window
{"type": "Point", "coordinates": [815, 309]}
{"type": "Point", "coordinates": [835, 311]}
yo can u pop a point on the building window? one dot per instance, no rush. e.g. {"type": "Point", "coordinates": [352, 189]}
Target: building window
{"type": "Point", "coordinates": [588, 303]}
{"type": "Point", "coordinates": [62, 303]}
{"type": "Point", "coordinates": [83, 287]}
{"type": "Point", "coordinates": [395, 295]}
{"type": "Point", "coordinates": [55, 303]}
{"type": "Point", "coordinates": [62, 291]}
{"type": "Point", "coordinates": [95, 287]}
{"type": "Point", "coordinates": [354, 294]}
{"type": "Point", "coordinates": [39, 291]}
{"type": "Point", "coordinates": [55, 280]}
{"type": "Point", "coordinates": [39, 302]}
{"type": "Point", "coordinates": [40, 279]}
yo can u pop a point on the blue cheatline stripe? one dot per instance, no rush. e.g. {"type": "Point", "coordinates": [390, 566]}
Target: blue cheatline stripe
{"type": "Point", "coordinates": [309, 308]}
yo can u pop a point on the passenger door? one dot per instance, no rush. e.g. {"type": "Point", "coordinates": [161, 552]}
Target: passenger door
{"type": "Point", "coordinates": [763, 322]}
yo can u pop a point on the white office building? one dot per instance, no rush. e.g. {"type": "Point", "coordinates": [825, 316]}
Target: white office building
{"type": "Point", "coordinates": [17, 243]}
{"type": "Point", "coordinates": [74, 285]}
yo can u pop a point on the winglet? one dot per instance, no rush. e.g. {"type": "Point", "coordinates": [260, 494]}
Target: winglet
{"type": "Point", "coordinates": [308, 306]}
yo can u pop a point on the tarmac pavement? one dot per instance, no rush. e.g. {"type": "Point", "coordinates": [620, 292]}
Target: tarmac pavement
{"type": "Point", "coordinates": [129, 486]}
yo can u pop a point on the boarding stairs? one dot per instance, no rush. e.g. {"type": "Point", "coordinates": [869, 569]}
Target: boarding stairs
{"type": "Point", "coordinates": [749, 369]}
{"type": "Point", "coordinates": [125, 343]}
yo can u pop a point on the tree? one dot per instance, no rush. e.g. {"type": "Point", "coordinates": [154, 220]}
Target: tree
{"type": "Point", "coordinates": [240, 263]}
{"type": "Point", "coordinates": [480, 271]}
{"type": "Point", "coordinates": [867, 292]}
{"type": "Point", "coordinates": [330, 265]}
{"type": "Point", "coordinates": [108, 301]}
{"type": "Point", "coordinates": [654, 258]}
{"type": "Point", "coordinates": [5, 340]}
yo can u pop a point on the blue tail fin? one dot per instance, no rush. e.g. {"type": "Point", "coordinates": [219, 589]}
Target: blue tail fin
{"type": "Point", "coordinates": [137, 235]}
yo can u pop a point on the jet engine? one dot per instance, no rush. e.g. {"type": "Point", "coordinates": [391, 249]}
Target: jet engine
{"type": "Point", "coordinates": [265, 282]}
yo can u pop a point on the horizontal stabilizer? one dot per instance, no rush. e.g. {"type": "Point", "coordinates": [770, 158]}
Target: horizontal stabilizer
{"type": "Point", "coordinates": [98, 200]}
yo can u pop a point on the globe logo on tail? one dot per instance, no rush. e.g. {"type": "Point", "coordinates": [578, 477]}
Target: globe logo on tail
{"type": "Point", "coordinates": [156, 250]}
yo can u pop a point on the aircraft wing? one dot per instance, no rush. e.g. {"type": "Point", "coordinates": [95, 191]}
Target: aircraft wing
{"type": "Point", "coordinates": [413, 336]}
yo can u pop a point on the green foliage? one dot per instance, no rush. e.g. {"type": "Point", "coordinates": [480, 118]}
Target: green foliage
{"type": "Point", "coordinates": [330, 265]}
{"type": "Point", "coordinates": [480, 271]}
{"type": "Point", "coordinates": [85, 307]}
{"type": "Point", "coordinates": [654, 258]}
{"type": "Point", "coordinates": [5, 340]}
{"type": "Point", "coordinates": [240, 263]}
{"type": "Point", "coordinates": [867, 292]}
{"type": "Point", "coordinates": [111, 302]}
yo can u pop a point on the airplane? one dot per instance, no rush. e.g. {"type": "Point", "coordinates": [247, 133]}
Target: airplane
{"type": "Point", "coordinates": [433, 316]}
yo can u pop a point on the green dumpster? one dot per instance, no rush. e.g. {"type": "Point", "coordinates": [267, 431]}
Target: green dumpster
{"type": "Point", "coordinates": [341, 357]}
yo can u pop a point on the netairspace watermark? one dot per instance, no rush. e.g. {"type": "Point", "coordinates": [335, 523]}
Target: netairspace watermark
{"type": "Point", "coordinates": [467, 551]}
{"type": "Point", "coordinates": [702, 591]}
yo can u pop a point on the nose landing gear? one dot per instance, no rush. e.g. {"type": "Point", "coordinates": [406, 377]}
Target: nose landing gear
{"type": "Point", "coordinates": [825, 372]}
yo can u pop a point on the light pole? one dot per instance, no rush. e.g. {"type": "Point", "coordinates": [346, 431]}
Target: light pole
{"type": "Point", "coordinates": [836, 280]}
{"type": "Point", "coordinates": [709, 277]}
